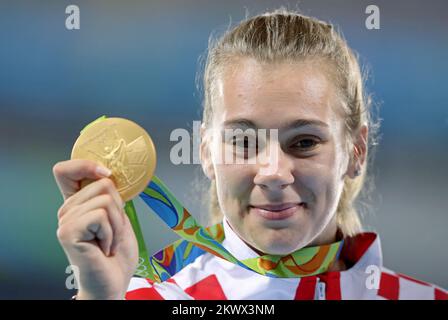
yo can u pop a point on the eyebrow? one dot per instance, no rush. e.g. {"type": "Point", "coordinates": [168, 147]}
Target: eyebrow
{"type": "Point", "coordinates": [238, 123]}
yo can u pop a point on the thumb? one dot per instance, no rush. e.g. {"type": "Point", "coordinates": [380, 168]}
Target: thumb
{"type": "Point", "coordinates": [69, 174]}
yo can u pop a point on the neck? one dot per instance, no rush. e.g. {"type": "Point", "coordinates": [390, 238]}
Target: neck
{"type": "Point", "coordinates": [330, 235]}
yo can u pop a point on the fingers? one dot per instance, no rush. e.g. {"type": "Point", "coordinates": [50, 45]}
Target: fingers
{"type": "Point", "coordinates": [102, 186]}
{"type": "Point", "coordinates": [114, 214]}
{"type": "Point", "coordinates": [68, 174]}
{"type": "Point", "coordinates": [92, 227]}
{"type": "Point", "coordinates": [82, 208]}
{"type": "Point", "coordinates": [100, 228]}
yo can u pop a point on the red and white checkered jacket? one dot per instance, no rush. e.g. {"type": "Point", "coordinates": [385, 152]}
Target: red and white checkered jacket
{"type": "Point", "coordinates": [212, 278]}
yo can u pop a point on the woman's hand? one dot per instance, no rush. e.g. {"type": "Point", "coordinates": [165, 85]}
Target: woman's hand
{"type": "Point", "coordinates": [94, 230]}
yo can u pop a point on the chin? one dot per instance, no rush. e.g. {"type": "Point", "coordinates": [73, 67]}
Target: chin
{"type": "Point", "coordinates": [278, 248]}
{"type": "Point", "coordinates": [281, 241]}
{"type": "Point", "coordinates": [278, 251]}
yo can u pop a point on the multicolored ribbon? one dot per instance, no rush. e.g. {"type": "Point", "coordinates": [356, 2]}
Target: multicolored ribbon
{"type": "Point", "coordinates": [197, 240]}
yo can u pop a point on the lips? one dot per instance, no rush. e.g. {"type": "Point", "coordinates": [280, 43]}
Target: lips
{"type": "Point", "coordinates": [277, 211]}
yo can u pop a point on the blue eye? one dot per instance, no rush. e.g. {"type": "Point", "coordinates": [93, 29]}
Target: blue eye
{"type": "Point", "coordinates": [306, 144]}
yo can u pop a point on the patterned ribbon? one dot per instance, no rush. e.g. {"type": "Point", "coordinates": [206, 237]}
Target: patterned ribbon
{"type": "Point", "coordinates": [196, 240]}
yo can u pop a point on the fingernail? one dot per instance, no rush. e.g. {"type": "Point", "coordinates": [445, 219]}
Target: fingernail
{"type": "Point", "coordinates": [103, 171]}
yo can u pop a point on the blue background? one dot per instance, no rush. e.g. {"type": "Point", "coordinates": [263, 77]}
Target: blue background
{"type": "Point", "coordinates": [138, 60]}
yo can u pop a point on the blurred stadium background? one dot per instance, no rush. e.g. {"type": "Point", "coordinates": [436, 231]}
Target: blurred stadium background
{"type": "Point", "coordinates": [138, 59]}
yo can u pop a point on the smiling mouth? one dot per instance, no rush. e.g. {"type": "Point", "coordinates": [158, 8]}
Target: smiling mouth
{"type": "Point", "coordinates": [277, 211]}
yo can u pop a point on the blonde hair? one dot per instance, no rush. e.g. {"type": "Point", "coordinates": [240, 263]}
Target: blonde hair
{"type": "Point", "coordinates": [284, 35]}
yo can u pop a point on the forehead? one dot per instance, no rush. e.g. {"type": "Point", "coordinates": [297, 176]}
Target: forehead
{"type": "Point", "coordinates": [272, 95]}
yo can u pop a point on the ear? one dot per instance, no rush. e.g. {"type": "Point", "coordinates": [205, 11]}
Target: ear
{"type": "Point", "coordinates": [205, 154]}
{"type": "Point", "coordinates": [359, 152]}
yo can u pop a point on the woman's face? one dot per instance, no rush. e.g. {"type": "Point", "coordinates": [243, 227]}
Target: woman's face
{"type": "Point", "coordinates": [290, 203]}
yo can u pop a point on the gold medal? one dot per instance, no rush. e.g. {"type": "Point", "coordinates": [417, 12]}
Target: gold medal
{"type": "Point", "coordinates": [123, 147]}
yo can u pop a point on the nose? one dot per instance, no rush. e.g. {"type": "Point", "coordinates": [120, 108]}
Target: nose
{"type": "Point", "coordinates": [277, 173]}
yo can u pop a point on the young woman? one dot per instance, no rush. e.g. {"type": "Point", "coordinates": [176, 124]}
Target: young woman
{"type": "Point", "coordinates": [283, 71]}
